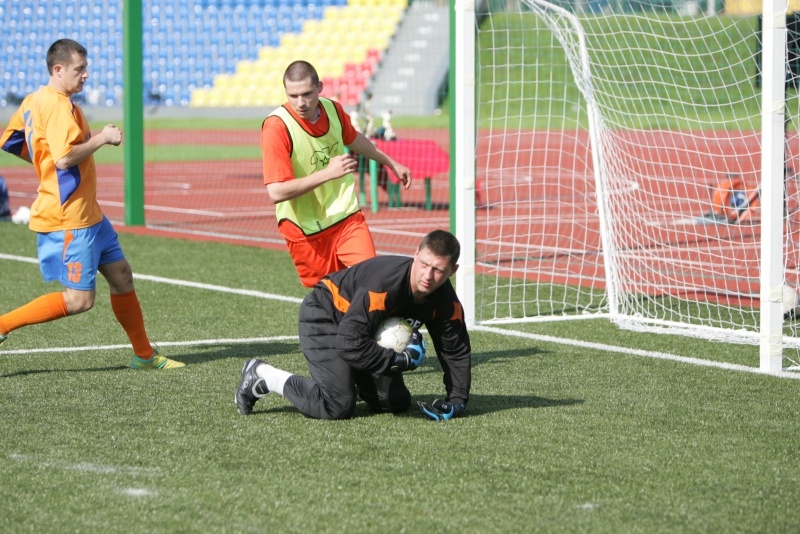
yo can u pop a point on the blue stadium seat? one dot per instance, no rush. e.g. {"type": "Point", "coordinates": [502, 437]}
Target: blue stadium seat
{"type": "Point", "coordinates": [285, 24]}
{"type": "Point", "coordinates": [316, 11]}
{"type": "Point", "coordinates": [184, 41]}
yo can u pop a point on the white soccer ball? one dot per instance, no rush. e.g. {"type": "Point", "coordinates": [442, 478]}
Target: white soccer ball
{"type": "Point", "coordinates": [393, 333]}
{"type": "Point", "coordinates": [22, 215]}
{"type": "Point", "coordinates": [791, 302]}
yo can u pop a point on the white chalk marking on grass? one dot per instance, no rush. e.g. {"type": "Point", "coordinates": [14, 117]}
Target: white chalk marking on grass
{"type": "Point", "coordinates": [231, 237]}
{"type": "Point", "coordinates": [138, 492]}
{"type": "Point", "coordinates": [169, 209]}
{"type": "Point", "coordinates": [23, 259]}
{"type": "Point", "coordinates": [184, 283]}
{"type": "Point", "coordinates": [637, 352]}
{"type": "Point", "coordinates": [588, 506]}
{"type": "Point", "coordinates": [193, 343]}
{"type": "Point", "coordinates": [222, 289]}
{"type": "Point", "coordinates": [86, 467]}
{"type": "Point", "coordinates": [500, 331]}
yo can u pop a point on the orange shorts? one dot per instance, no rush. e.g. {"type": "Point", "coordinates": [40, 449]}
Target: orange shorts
{"type": "Point", "coordinates": [342, 245]}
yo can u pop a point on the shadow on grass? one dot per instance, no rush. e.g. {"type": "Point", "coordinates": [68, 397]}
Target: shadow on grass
{"type": "Point", "coordinates": [486, 404]}
{"type": "Point", "coordinates": [56, 370]}
{"type": "Point", "coordinates": [244, 352]}
{"type": "Point", "coordinates": [267, 350]}
{"type": "Point", "coordinates": [498, 356]}
{"type": "Point", "coordinates": [478, 405]}
{"type": "Point", "coordinates": [432, 365]}
{"type": "Point", "coordinates": [261, 350]}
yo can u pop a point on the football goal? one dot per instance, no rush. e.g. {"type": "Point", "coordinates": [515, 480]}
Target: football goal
{"type": "Point", "coordinates": [633, 161]}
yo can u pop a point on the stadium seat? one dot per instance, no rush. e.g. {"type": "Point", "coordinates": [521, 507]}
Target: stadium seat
{"type": "Point", "coordinates": [184, 43]}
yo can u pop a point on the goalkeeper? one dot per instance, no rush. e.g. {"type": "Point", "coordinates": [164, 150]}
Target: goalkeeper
{"type": "Point", "coordinates": [337, 320]}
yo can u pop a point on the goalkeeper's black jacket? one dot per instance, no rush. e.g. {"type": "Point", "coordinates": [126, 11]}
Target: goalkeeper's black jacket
{"type": "Point", "coordinates": [360, 297]}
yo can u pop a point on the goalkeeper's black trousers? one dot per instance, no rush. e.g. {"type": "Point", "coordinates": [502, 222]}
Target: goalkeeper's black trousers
{"type": "Point", "coordinates": [334, 386]}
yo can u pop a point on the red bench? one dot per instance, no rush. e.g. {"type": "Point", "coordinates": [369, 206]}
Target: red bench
{"type": "Point", "coordinates": [424, 157]}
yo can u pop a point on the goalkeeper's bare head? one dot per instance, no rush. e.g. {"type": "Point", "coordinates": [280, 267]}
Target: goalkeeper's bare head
{"type": "Point", "coordinates": [435, 261]}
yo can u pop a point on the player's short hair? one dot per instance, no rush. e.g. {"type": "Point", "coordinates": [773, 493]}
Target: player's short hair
{"type": "Point", "coordinates": [60, 53]}
{"type": "Point", "coordinates": [443, 244]}
{"type": "Point", "coordinates": [300, 70]}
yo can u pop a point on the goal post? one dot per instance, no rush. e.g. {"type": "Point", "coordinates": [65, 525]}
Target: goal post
{"type": "Point", "coordinates": [463, 180]}
{"type": "Point", "coordinates": [773, 167]}
{"type": "Point", "coordinates": [591, 167]}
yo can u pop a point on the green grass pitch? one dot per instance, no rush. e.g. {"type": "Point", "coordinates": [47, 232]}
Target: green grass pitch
{"type": "Point", "coordinates": [559, 438]}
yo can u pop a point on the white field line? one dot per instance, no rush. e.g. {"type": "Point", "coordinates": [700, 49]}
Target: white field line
{"type": "Point", "coordinates": [499, 331]}
{"type": "Point", "coordinates": [22, 259]}
{"type": "Point", "coordinates": [87, 467]}
{"type": "Point", "coordinates": [211, 287]}
{"type": "Point", "coordinates": [636, 352]}
{"type": "Point", "coordinates": [194, 343]}
{"type": "Point", "coordinates": [137, 492]}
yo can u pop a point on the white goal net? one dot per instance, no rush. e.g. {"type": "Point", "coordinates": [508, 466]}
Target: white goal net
{"type": "Point", "coordinates": [618, 167]}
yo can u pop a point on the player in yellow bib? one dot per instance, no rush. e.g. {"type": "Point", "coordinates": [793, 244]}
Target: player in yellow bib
{"type": "Point", "coordinates": [309, 177]}
{"type": "Point", "coordinates": [75, 239]}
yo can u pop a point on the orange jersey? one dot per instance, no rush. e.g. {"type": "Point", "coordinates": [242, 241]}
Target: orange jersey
{"type": "Point", "coordinates": [276, 144]}
{"type": "Point", "coordinates": [42, 131]}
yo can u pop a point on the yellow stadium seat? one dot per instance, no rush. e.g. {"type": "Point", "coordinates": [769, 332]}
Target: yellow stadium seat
{"type": "Point", "coordinates": [380, 3]}
{"type": "Point", "coordinates": [245, 67]}
{"type": "Point", "coordinates": [214, 100]}
{"type": "Point", "coordinates": [230, 99]}
{"type": "Point", "coordinates": [199, 98]}
{"type": "Point", "coordinates": [333, 12]}
{"type": "Point", "coordinates": [289, 40]}
{"type": "Point", "coordinates": [266, 53]}
{"type": "Point", "coordinates": [223, 81]}
{"type": "Point", "coordinates": [313, 26]}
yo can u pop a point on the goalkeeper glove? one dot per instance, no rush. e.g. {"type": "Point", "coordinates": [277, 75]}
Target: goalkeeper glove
{"type": "Point", "coordinates": [440, 410]}
{"type": "Point", "coordinates": [412, 356]}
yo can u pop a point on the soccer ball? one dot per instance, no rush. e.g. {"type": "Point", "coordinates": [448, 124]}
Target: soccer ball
{"type": "Point", "coordinates": [393, 333]}
{"type": "Point", "coordinates": [791, 302]}
{"type": "Point", "coordinates": [22, 215]}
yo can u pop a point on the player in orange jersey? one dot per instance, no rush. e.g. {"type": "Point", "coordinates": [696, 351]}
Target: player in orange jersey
{"type": "Point", "coordinates": [75, 239]}
{"type": "Point", "coordinates": [309, 177]}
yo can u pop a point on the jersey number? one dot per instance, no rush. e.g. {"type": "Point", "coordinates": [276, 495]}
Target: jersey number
{"type": "Point", "coordinates": [74, 271]}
